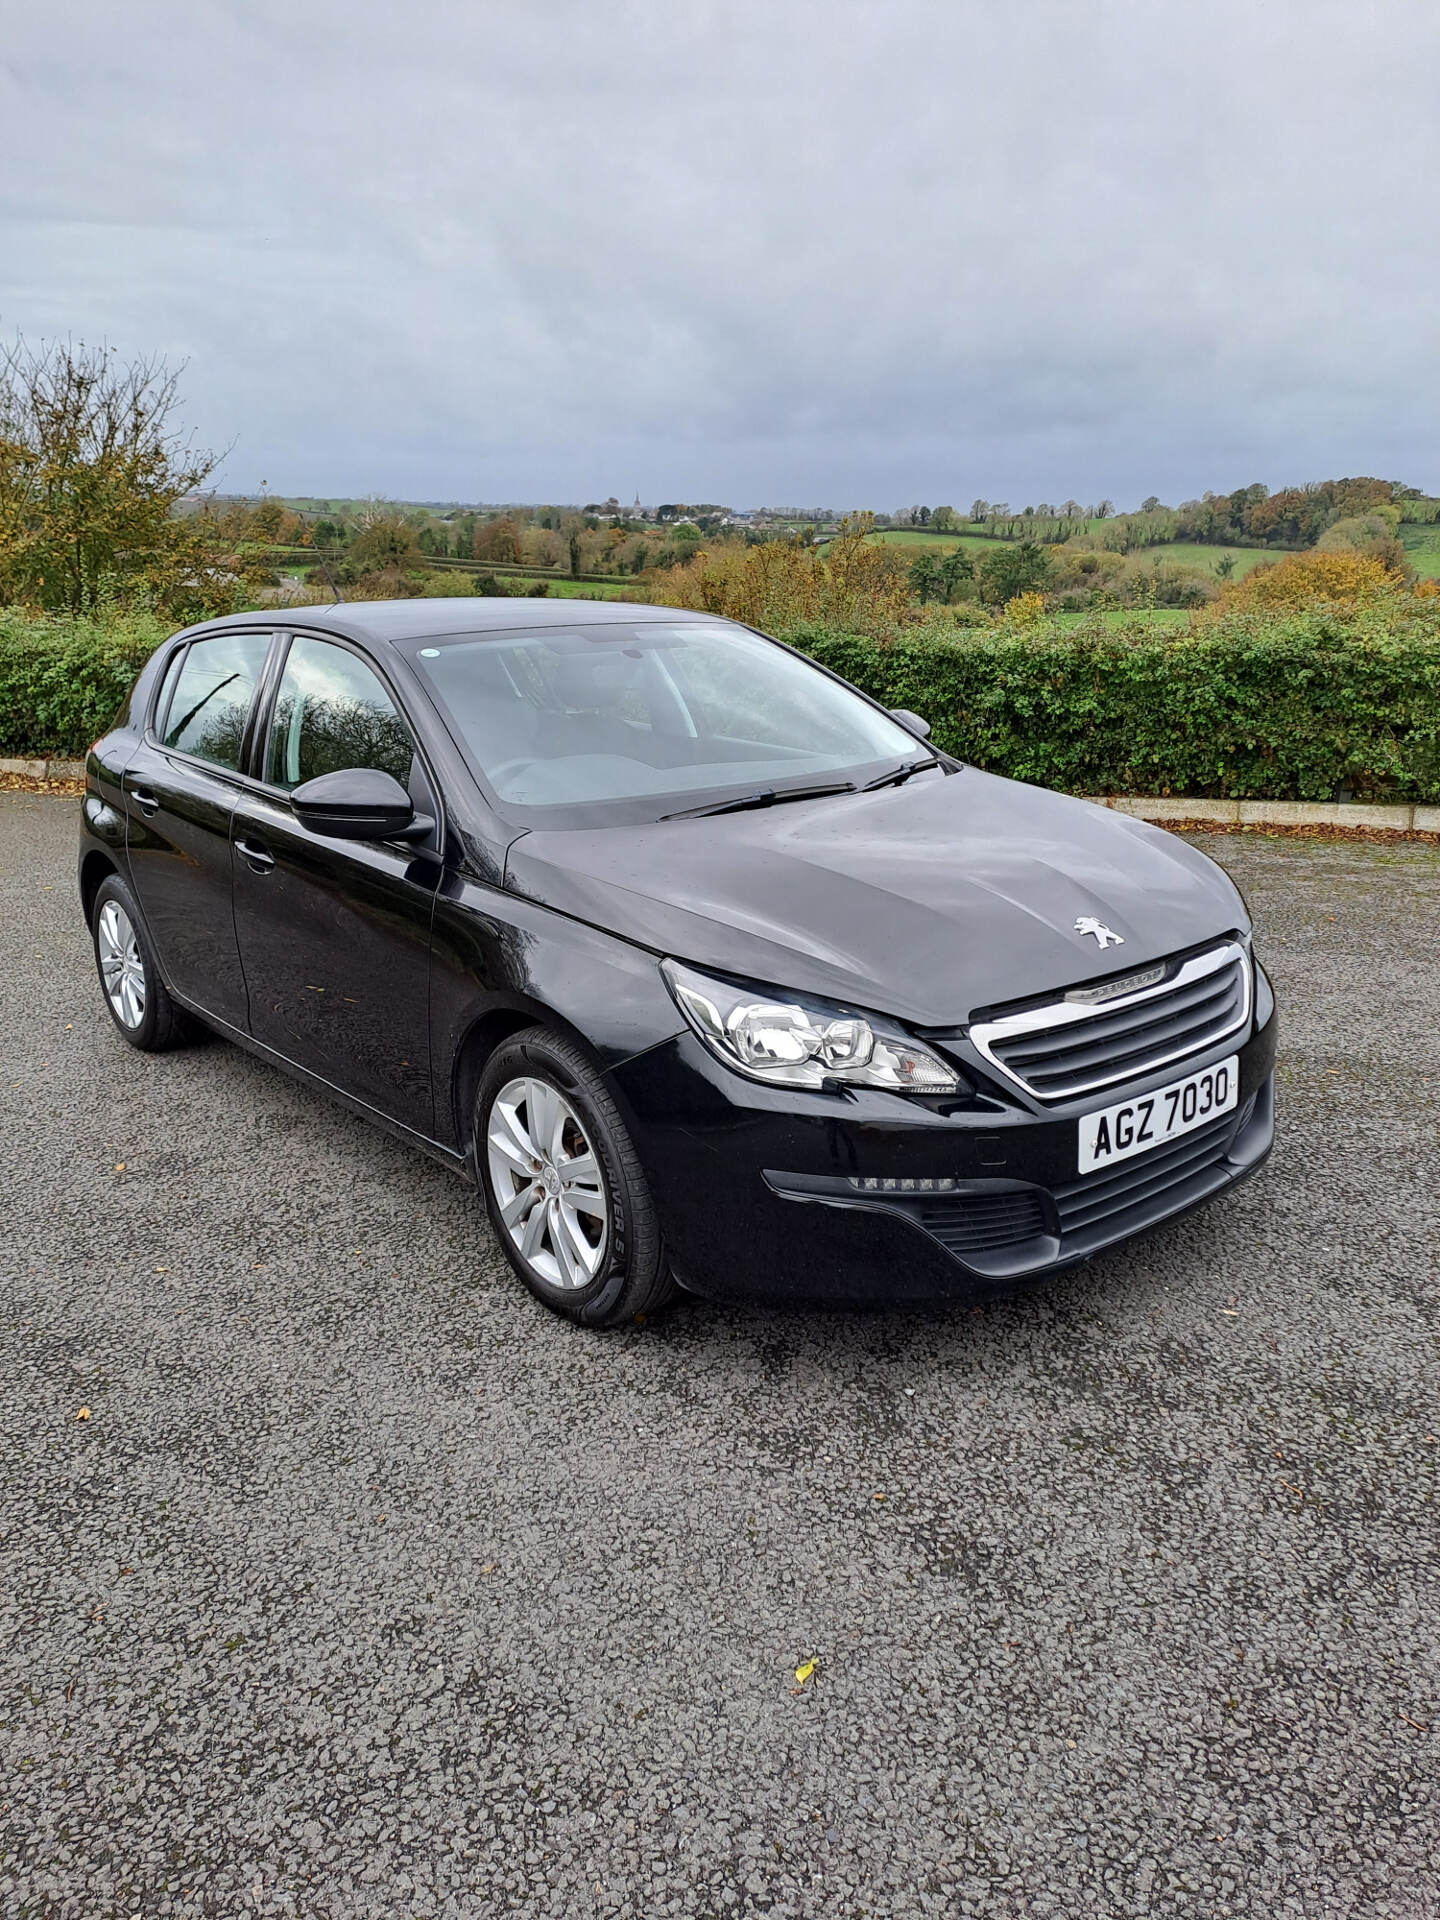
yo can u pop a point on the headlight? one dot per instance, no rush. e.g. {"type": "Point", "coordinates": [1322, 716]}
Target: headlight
{"type": "Point", "coordinates": [794, 1043]}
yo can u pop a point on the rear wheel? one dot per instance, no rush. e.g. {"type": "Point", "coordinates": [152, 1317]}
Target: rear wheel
{"type": "Point", "coordinates": [565, 1189]}
{"type": "Point", "coordinates": [135, 995]}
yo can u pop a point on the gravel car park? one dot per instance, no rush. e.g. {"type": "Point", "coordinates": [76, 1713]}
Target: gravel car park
{"type": "Point", "coordinates": [341, 1579]}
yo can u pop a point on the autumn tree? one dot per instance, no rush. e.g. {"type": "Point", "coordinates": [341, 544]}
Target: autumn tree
{"type": "Point", "coordinates": [387, 543]}
{"type": "Point", "coordinates": [499, 541]}
{"type": "Point", "coordinates": [92, 469]}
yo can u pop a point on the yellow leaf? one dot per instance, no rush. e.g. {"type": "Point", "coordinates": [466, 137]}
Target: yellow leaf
{"type": "Point", "coordinates": [83, 1414]}
{"type": "Point", "coordinates": [803, 1672]}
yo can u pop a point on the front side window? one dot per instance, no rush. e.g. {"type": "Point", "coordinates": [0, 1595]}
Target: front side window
{"type": "Point", "coordinates": [211, 699]}
{"type": "Point", "coordinates": [650, 717]}
{"type": "Point", "coordinates": [332, 712]}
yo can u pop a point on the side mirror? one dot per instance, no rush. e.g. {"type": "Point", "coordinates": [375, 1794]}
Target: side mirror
{"type": "Point", "coordinates": [911, 722]}
{"type": "Point", "coordinates": [357, 803]}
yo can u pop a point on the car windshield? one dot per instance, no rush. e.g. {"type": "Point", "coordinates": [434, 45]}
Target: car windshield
{"type": "Point", "coordinates": [619, 722]}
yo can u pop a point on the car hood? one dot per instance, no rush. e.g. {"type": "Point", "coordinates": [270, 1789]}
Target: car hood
{"type": "Point", "coordinates": [929, 901]}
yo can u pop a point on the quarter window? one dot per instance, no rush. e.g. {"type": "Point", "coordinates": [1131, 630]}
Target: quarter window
{"type": "Point", "coordinates": [212, 696]}
{"type": "Point", "coordinates": [331, 712]}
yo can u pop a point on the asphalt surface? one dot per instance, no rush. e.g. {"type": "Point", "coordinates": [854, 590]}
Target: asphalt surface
{"type": "Point", "coordinates": [367, 1588]}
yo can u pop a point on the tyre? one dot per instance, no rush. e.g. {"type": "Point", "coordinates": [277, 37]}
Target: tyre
{"type": "Point", "coordinates": [135, 995]}
{"type": "Point", "coordinates": [565, 1190]}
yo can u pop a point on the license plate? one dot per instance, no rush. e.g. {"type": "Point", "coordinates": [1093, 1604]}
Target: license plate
{"type": "Point", "coordinates": [1135, 1126]}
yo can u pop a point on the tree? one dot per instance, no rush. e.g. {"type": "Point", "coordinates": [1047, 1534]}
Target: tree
{"type": "Point", "coordinates": [1011, 571]}
{"type": "Point", "coordinates": [267, 518]}
{"type": "Point", "coordinates": [979, 512]}
{"type": "Point", "coordinates": [1150, 503]}
{"type": "Point", "coordinates": [943, 519]}
{"type": "Point", "coordinates": [386, 544]}
{"type": "Point", "coordinates": [925, 577]}
{"type": "Point", "coordinates": [955, 567]}
{"type": "Point", "coordinates": [499, 540]}
{"type": "Point", "coordinates": [92, 468]}
{"type": "Point", "coordinates": [574, 553]}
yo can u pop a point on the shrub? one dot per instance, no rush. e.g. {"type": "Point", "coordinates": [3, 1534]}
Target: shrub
{"type": "Point", "coordinates": [1025, 609]}
{"type": "Point", "coordinates": [63, 681]}
{"type": "Point", "coordinates": [1315, 579]}
{"type": "Point", "coordinates": [1245, 704]}
{"type": "Point", "coordinates": [1241, 707]}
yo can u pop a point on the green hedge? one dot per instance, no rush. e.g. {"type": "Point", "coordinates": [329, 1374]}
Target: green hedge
{"type": "Point", "coordinates": [1294, 708]}
{"type": "Point", "coordinates": [63, 681]}
{"type": "Point", "coordinates": [1251, 707]}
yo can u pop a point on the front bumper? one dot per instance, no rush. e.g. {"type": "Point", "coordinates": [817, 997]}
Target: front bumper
{"type": "Point", "coordinates": [757, 1195]}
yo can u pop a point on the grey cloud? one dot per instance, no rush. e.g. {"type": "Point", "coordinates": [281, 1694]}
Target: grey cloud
{"type": "Point", "coordinates": [761, 251]}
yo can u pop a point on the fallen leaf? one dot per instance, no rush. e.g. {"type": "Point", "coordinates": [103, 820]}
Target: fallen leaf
{"type": "Point", "coordinates": [804, 1671]}
{"type": "Point", "coordinates": [83, 1414]}
{"type": "Point", "coordinates": [119, 1166]}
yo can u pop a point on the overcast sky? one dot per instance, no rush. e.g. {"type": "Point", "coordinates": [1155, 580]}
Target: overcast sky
{"type": "Point", "coordinates": [761, 252]}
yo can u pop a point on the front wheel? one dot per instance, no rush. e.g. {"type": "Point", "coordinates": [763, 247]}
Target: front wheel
{"type": "Point", "coordinates": [564, 1186]}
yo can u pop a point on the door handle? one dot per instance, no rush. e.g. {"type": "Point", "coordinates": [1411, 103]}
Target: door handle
{"type": "Point", "coordinates": [147, 801]}
{"type": "Point", "coordinates": [258, 858]}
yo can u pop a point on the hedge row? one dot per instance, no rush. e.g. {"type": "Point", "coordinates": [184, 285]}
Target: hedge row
{"type": "Point", "coordinates": [1292, 708]}
{"type": "Point", "coordinates": [63, 681]}
{"type": "Point", "coordinates": [1298, 708]}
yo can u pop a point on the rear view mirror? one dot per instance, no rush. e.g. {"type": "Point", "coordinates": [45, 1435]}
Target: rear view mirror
{"type": "Point", "coordinates": [357, 803]}
{"type": "Point", "coordinates": [911, 722]}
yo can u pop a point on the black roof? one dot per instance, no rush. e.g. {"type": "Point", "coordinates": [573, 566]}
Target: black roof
{"type": "Point", "coordinates": [376, 620]}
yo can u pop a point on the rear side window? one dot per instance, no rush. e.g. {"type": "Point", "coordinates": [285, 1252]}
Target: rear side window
{"type": "Point", "coordinates": [212, 696]}
{"type": "Point", "coordinates": [332, 711]}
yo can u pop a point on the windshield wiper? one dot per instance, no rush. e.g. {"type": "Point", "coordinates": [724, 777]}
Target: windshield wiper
{"type": "Point", "coordinates": [766, 797]}
{"type": "Point", "coordinates": [897, 774]}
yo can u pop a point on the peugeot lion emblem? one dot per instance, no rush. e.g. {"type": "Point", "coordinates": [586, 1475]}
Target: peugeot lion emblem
{"type": "Point", "coordinates": [1104, 936]}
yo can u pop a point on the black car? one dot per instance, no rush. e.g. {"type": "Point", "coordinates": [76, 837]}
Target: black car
{"type": "Point", "coordinates": [706, 968]}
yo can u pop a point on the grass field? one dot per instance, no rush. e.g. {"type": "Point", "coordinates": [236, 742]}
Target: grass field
{"type": "Point", "coordinates": [1422, 547]}
{"type": "Point", "coordinates": [588, 590]}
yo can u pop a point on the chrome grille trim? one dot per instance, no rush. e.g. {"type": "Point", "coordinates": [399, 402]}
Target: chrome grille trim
{"type": "Point", "coordinates": [1106, 1045]}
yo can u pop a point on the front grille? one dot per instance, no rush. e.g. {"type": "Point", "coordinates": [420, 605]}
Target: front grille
{"type": "Point", "coordinates": [986, 1220]}
{"type": "Point", "coordinates": [1067, 1048]}
{"type": "Point", "coordinates": [1089, 1211]}
{"type": "Point", "coordinates": [1095, 1202]}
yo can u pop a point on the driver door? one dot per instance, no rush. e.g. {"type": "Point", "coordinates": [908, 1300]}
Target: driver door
{"type": "Point", "coordinates": [334, 935]}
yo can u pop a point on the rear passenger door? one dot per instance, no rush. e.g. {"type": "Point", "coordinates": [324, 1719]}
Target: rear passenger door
{"type": "Point", "coordinates": [334, 935]}
{"type": "Point", "coordinates": [180, 789]}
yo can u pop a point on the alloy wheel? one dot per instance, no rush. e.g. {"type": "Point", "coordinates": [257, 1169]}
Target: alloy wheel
{"type": "Point", "coordinates": [547, 1183]}
{"type": "Point", "coordinates": [121, 967]}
